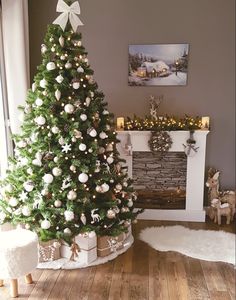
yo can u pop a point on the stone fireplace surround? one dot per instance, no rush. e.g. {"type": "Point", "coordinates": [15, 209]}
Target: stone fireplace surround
{"type": "Point", "coordinates": [131, 141]}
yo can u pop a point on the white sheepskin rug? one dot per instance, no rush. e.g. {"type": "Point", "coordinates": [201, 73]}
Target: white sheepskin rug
{"type": "Point", "coordinates": [201, 244]}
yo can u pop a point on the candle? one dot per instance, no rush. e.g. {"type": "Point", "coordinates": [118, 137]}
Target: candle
{"type": "Point", "coordinates": [205, 122]}
{"type": "Point", "coordinates": [120, 123]}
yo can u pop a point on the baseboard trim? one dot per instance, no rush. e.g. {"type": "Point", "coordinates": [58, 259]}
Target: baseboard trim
{"type": "Point", "coordinates": [173, 215]}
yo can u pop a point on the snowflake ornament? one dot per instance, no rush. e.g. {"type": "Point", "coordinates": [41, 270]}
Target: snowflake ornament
{"type": "Point", "coordinates": [23, 196]}
{"type": "Point", "coordinates": [66, 148]}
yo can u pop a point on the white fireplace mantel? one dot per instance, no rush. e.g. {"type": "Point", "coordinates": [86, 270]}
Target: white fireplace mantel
{"type": "Point", "coordinates": [131, 141]}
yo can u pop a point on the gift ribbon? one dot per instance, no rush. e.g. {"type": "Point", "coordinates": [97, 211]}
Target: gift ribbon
{"type": "Point", "coordinates": [68, 13]}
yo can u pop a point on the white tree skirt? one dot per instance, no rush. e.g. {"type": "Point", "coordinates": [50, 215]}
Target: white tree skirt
{"type": "Point", "coordinates": [65, 263]}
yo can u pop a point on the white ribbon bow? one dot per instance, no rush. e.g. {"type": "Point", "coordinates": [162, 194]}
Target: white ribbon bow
{"type": "Point", "coordinates": [68, 12]}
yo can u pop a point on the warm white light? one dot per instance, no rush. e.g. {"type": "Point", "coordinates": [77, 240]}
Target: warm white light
{"type": "Point", "coordinates": [120, 123]}
{"type": "Point", "coordinates": [205, 122]}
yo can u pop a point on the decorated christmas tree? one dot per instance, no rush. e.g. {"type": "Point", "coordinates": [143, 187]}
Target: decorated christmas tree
{"type": "Point", "coordinates": [66, 176]}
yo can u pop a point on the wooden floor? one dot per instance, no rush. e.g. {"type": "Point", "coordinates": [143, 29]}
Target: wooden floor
{"type": "Point", "coordinates": [140, 273]}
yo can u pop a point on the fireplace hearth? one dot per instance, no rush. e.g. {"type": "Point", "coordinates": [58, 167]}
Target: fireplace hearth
{"type": "Point", "coordinates": [167, 199]}
{"type": "Point", "coordinates": [160, 179]}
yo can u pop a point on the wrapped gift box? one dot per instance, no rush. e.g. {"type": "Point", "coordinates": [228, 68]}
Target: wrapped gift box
{"type": "Point", "coordinates": [110, 244]}
{"type": "Point", "coordinates": [86, 251]}
{"type": "Point", "coordinates": [49, 251]}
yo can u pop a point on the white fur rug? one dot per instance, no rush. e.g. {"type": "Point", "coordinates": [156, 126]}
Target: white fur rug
{"type": "Point", "coordinates": [202, 244]}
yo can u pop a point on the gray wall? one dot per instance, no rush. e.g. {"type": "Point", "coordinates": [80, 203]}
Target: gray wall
{"type": "Point", "coordinates": [207, 25]}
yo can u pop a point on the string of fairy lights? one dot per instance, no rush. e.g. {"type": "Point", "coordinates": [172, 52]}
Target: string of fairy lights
{"type": "Point", "coordinates": [167, 123]}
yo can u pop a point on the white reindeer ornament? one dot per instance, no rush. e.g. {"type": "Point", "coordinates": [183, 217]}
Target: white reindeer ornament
{"type": "Point", "coordinates": [95, 216]}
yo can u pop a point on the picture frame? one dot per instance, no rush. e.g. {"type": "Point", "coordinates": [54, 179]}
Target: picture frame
{"type": "Point", "coordinates": [158, 65]}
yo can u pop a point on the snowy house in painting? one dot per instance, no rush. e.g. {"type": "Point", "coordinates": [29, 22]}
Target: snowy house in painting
{"type": "Point", "coordinates": [154, 69]}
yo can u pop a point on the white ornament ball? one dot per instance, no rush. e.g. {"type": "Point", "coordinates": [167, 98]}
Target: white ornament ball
{"type": "Point", "coordinates": [80, 70]}
{"type": "Point", "coordinates": [73, 139]}
{"type": "Point", "coordinates": [24, 161]}
{"type": "Point", "coordinates": [27, 226]}
{"type": "Point", "coordinates": [67, 231]}
{"type": "Point", "coordinates": [69, 108]}
{"type": "Point", "coordinates": [59, 78]}
{"type": "Point", "coordinates": [29, 171]}
{"type": "Point", "coordinates": [119, 187]}
{"type": "Point", "coordinates": [37, 162]}
{"type": "Point", "coordinates": [83, 117]}
{"type": "Point", "coordinates": [71, 195]}
{"type": "Point", "coordinates": [56, 171]}
{"type": "Point", "coordinates": [103, 135]}
{"type": "Point", "coordinates": [68, 65]}
{"type": "Point", "coordinates": [111, 214]}
{"type": "Point", "coordinates": [56, 159]}
{"type": "Point", "coordinates": [73, 168]}
{"type": "Point", "coordinates": [83, 177]}
{"type": "Point", "coordinates": [40, 120]}
{"type": "Point", "coordinates": [22, 144]}
{"type": "Point", "coordinates": [39, 155]}
{"type": "Point", "coordinates": [82, 147]}
{"type": "Point", "coordinates": [98, 189]}
{"type": "Point", "coordinates": [55, 129]}
{"type": "Point", "coordinates": [43, 83]}
{"type": "Point", "coordinates": [39, 102]}
{"type": "Point", "coordinates": [93, 132]}
{"type": "Point", "coordinates": [69, 215]}
{"type": "Point", "coordinates": [13, 202]}
{"type": "Point", "coordinates": [45, 224]}
{"type": "Point", "coordinates": [57, 203]}
{"type": "Point", "coordinates": [28, 186]}
{"type": "Point", "coordinates": [76, 85]}
{"type": "Point", "coordinates": [44, 192]}
{"type": "Point", "coordinates": [8, 188]}
{"type": "Point", "coordinates": [26, 211]}
{"type": "Point", "coordinates": [48, 178]}
{"type": "Point", "coordinates": [105, 187]}
{"type": "Point", "coordinates": [51, 66]}
{"type": "Point", "coordinates": [62, 57]}
{"type": "Point", "coordinates": [110, 160]}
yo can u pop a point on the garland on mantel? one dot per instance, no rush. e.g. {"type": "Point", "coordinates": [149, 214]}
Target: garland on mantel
{"type": "Point", "coordinates": [166, 123]}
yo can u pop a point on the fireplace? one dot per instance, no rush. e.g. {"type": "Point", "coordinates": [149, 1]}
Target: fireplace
{"type": "Point", "coordinates": [188, 206]}
{"type": "Point", "coordinates": [160, 179]}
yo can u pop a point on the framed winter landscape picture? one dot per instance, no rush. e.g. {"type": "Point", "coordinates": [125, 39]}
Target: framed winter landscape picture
{"type": "Point", "coordinates": [159, 64]}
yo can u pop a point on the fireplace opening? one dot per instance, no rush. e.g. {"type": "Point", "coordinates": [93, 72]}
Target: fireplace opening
{"type": "Point", "coordinates": [160, 179]}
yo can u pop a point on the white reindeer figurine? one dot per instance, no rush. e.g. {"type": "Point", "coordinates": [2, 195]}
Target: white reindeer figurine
{"type": "Point", "coordinates": [224, 196]}
{"type": "Point", "coordinates": [221, 210]}
{"type": "Point", "coordinates": [95, 217]}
